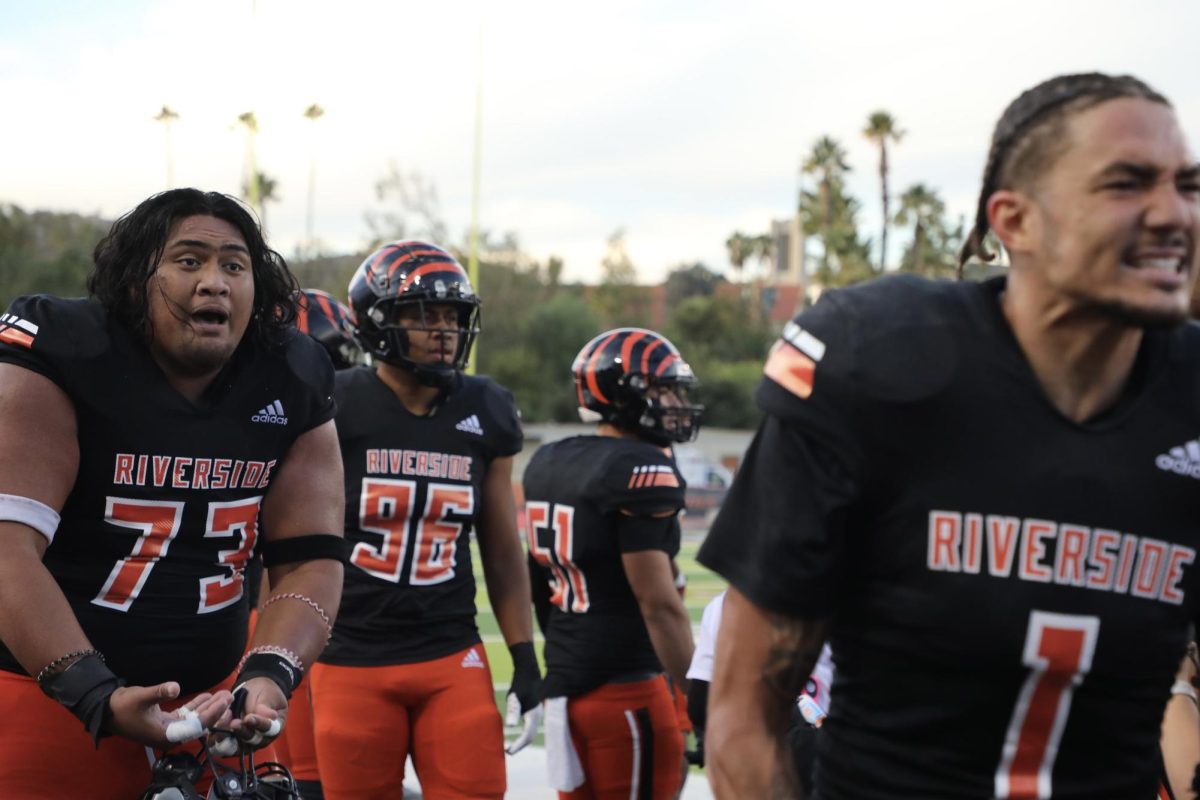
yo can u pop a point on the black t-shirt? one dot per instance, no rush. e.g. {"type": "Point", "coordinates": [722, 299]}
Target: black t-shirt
{"type": "Point", "coordinates": [164, 512]}
{"type": "Point", "coordinates": [579, 496]}
{"type": "Point", "coordinates": [1009, 590]}
{"type": "Point", "coordinates": [414, 494]}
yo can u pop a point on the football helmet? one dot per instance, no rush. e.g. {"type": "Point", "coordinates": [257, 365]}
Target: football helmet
{"type": "Point", "coordinates": [636, 380]}
{"type": "Point", "coordinates": [332, 324]}
{"type": "Point", "coordinates": [399, 277]}
{"type": "Point", "coordinates": [175, 776]}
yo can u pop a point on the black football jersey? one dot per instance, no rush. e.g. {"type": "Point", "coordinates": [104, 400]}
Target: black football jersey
{"type": "Point", "coordinates": [414, 489]}
{"type": "Point", "coordinates": [1009, 590]}
{"type": "Point", "coordinates": [164, 513]}
{"type": "Point", "coordinates": [576, 490]}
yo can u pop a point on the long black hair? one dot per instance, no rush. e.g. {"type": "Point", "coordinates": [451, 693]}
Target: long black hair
{"type": "Point", "coordinates": [125, 259]}
{"type": "Point", "coordinates": [1030, 135]}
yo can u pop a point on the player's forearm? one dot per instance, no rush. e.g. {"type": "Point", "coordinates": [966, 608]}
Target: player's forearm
{"type": "Point", "coordinates": [291, 622]}
{"type": "Point", "coordinates": [507, 579]}
{"type": "Point", "coordinates": [1181, 744]}
{"type": "Point", "coordinates": [36, 621]}
{"type": "Point", "coordinates": [670, 632]}
{"type": "Point", "coordinates": [762, 662]}
{"type": "Point", "coordinates": [747, 761]}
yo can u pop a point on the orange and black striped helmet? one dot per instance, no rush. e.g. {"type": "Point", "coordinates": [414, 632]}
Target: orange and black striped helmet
{"type": "Point", "coordinates": [636, 380]}
{"type": "Point", "coordinates": [332, 324]}
{"type": "Point", "coordinates": [400, 274]}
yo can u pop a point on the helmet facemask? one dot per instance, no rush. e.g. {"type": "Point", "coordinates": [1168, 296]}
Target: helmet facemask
{"type": "Point", "coordinates": [391, 321]}
{"type": "Point", "coordinates": [659, 410]}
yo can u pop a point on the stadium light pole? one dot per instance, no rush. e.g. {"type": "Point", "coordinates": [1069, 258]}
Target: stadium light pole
{"type": "Point", "coordinates": [166, 117]}
{"type": "Point", "coordinates": [312, 114]}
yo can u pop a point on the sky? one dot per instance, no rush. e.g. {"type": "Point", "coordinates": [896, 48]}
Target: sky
{"type": "Point", "coordinates": [677, 122]}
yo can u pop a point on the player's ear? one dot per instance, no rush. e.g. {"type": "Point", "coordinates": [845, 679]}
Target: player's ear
{"type": "Point", "coordinates": [1012, 216]}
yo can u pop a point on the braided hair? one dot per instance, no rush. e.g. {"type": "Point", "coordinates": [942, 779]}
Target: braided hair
{"type": "Point", "coordinates": [1030, 135]}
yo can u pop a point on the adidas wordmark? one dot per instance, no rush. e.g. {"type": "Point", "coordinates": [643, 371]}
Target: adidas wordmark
{"type": "Point", "coordinates": [272, 414]}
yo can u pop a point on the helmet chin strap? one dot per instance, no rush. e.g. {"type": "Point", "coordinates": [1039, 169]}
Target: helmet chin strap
{"type": "Point", "coordinates": [428, 376]}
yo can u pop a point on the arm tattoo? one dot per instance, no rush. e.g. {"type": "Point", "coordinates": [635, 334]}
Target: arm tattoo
{"type": "Point", "coordinates": [793, 651]}
{"type": "Point", "coordinates": [795, 646]}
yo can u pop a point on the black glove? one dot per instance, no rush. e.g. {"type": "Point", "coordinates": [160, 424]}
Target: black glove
{"type": "Point", "coordinates": [524, 695]}
{"type": "Point", "coordinates": [527, 677]}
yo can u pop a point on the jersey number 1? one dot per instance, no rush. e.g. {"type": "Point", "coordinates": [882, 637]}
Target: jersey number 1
{"type": "Point", "coordinates": [1058, 651]}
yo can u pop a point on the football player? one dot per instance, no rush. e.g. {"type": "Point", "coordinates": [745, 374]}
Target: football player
{"type": "Point", "coordinates": [601, 514]}
{"type": "Point", "coordinates": [326, 319]}
{"type": "Point", "coordinates": [159, 434]}
{"type": "Point", "coordinates": [428, 453]}
{"type": "Point", "coordinates": [984, 493]}
{"type": "Point", "coordinates": [806, 718]}
{"type": "Point", "coordinates": [331, 323]}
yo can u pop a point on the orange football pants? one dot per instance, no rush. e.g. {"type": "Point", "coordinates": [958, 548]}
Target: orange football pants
{"type": "Point", "coordinates": [442, 712]}
{"type": "Point", "coordinates": [45, 754]}
{"type": "Point", "coordinates": [295, 746]}
{"type": "Point", "coordinates": [628, 741]}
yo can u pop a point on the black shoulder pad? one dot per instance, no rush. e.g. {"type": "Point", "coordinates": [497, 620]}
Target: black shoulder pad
{"type": "Point", "coordinates": [504, 434]}
{"type": "Point", "coordinates": [640, 478]}
{"type": "Point", "coordinates": [894, 340]}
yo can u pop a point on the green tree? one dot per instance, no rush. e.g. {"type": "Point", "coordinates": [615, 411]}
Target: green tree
{"type": "Point", "coordinates": [827, 162]}
{"type": "Point", "coordinates": [536, 367]}
{"type": "Point", "coordinates": [725, 344]}
{"type": "Point", "coordinates": [410, 209]}
{"type": "Point", "coordinates": [835, 217]}
{"type": "Point", "coordinates": [268, 192]}
{"type": "Point", "coordinates": [690, 280]}
{"type": "Point", "coordinates": [934, 247]}
{"type": "Point", "coordinates": [618, 300]}
{"type": "Point", "coordinates": [881, 128]}
{"type": "Point", "coordinates": [740, 248]}
{"type": "Point", "coordinates": [46, 252]}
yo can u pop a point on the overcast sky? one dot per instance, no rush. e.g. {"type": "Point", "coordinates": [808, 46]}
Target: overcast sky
{"type": "Point", "coordinates": [677, 121]}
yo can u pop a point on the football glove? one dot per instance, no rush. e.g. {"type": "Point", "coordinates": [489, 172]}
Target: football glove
{"type": "Point", "coordinates": [524, 696]}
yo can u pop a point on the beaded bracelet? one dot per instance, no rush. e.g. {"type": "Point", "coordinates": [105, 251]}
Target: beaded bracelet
{"type": "Point", "coordinates": [307, 601]}
{"type": "Point", "coordinates": [275, 650]}
{"type": "Point", "coordinates": [49, 669]}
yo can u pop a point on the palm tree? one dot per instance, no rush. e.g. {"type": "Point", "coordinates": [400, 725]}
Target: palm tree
{"type": "Point", "coordinates": [253, 197]}
{"type": "Point", "coordinates": [827, 161]}
{"type": "Point", "coordinates": [312, 114]}
{"type": "Point", "coordinates": [166, 117]}
{"type": "Point", "coordinates": [740, 248]}
{"type": "Point", "coordinates": [881, 127]}
{"type": "Point", "coordinates": [923, 206]}
{"type": "Point", "coordinates": [267, 187]}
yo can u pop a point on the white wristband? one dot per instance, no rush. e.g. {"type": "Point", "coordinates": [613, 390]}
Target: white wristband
{"type": "Point", "coordinates": [1184, 687]}
{"type": "Point", "coordinates": [34, 513]}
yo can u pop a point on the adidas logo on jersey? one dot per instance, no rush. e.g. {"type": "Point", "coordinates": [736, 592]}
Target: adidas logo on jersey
{"type": "Point", "coordinates": [1182, 460]}
{"type": "Point", "coordinates": [471, 425]}
{"type": "Point", "coordinates": [472, 659]}
{"type": "Point", "coordinates": [272, 414]}
{"type": "Point", "coordinates": [652, 475]}
{"type": "Point", "coordinates": [15, 330]}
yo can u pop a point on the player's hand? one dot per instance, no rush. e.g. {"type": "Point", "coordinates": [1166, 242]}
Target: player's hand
{"type": "Point", "coordinates": [532, 721]}
{"type": "Point", "coordinates": [136, 713]}
{"type": "Point", "coordinates": [524, 696]}
{"type": "Point", "coordinates": [256, 718]}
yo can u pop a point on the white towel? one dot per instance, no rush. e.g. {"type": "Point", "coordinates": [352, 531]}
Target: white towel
{"type": "Point", "coordinates": [562, 762]}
